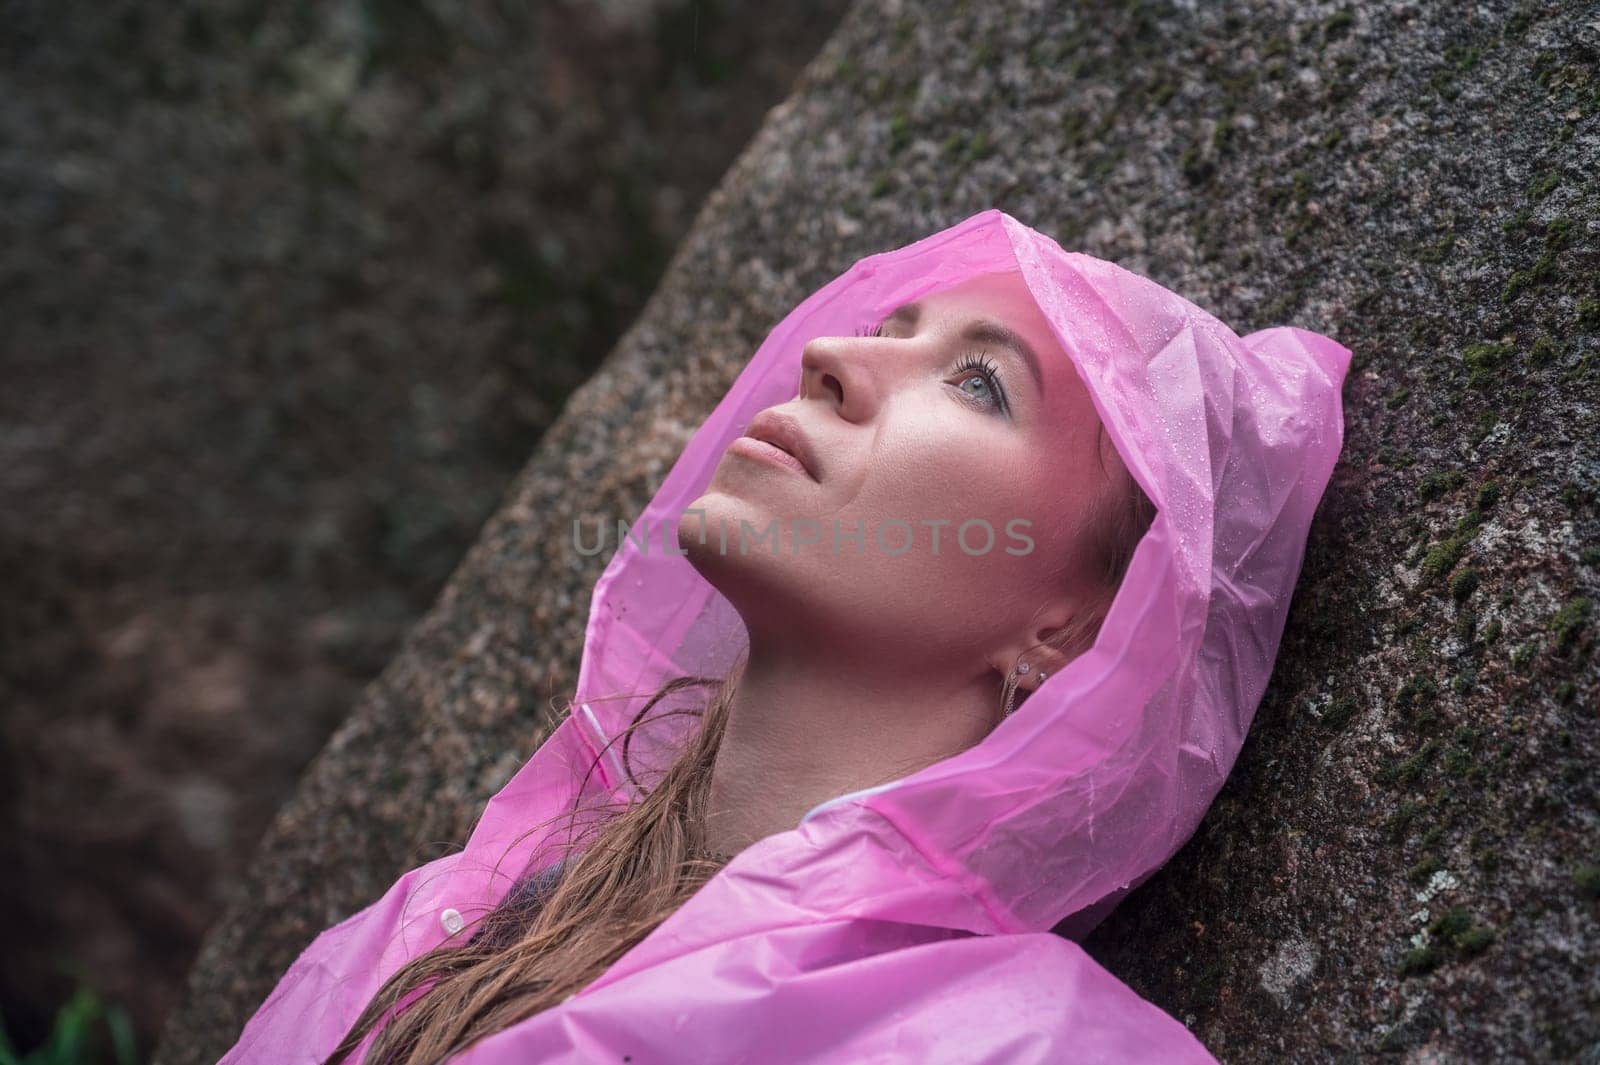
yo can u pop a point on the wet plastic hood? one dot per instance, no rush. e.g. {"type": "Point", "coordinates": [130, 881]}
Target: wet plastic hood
{"type": "Point", "coordinates": [910, 921]}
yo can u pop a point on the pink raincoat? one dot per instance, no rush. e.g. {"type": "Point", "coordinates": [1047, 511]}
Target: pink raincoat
{"type": "Point", "coordinates": [911, 922]}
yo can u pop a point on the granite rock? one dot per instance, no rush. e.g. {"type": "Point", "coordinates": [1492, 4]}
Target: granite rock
{"type": "Point", "coordinates": [288, 294]}
{"type": "Point", "coordinates": [1405, 858]}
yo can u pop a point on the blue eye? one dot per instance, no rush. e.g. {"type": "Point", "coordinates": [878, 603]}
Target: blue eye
{"type": "Point", "coordinates": [980, 369]}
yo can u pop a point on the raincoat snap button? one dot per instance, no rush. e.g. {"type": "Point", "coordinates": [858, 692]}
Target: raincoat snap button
{"type": "Point", "coordinates": [452, 921]}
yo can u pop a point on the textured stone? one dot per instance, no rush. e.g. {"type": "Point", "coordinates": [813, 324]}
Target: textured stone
{"type": "Point", "coordinates": [1405, 858]}
{"type": "Point", "coordinates": [288, 294]}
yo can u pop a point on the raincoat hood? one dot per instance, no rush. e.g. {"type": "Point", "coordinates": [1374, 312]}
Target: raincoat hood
{"type": "Point", "coordinates": [911, 921]}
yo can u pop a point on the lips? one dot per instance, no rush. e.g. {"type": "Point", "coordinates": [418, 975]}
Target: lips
{"type": "Point", "coordinates": [785, 434]}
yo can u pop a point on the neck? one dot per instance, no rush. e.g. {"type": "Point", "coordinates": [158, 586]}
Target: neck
{"type": "Point", "coordinates": [805, 729]}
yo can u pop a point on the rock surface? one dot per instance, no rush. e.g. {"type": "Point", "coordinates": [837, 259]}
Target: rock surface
{"type": "Point", "coordinates": [288, 293]}
{"type": "Point", "coordinates": [1407, 857]}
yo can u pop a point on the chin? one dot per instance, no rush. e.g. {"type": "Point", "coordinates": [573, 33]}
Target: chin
{"type": "Point", "coordinates": [700, 536]}
{"type": "Point", "coordinates": [763, 580]}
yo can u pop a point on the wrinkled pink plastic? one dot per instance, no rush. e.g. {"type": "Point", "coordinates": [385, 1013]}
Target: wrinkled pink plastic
{"type": "Point", "coordinates": [910, 922]}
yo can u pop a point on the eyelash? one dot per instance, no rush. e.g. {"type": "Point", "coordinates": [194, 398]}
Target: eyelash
{"type": "Point", "coordinates": [970, 362]}
{"type": "Point", "coordinates": [983, 365]}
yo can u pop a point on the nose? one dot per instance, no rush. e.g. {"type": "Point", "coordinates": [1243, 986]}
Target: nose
{"type": "Point", "coordinates": [837, 370]}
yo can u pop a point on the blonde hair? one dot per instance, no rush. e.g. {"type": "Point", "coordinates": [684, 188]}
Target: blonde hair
{"type": "Point", "coordinates": [532, 952]}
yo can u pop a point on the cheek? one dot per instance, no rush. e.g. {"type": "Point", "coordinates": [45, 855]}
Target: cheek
{"type": "Point", "coordinates": [1033, 490]}
{"type": "Point", "coordinates": [930, 472]}
{"type": "Point", "coordinates": [983, 488]}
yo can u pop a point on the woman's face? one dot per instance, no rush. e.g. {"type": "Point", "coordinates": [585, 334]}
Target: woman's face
{"type": "Point", "coordinates": [952, 474]}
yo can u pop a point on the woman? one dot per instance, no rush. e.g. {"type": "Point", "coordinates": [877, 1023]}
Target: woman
{"type": "Point", "coordinates": [865, 773]}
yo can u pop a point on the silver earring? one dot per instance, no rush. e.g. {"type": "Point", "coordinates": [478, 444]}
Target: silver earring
{"type": "Point", "coordinates": [1021, 669]}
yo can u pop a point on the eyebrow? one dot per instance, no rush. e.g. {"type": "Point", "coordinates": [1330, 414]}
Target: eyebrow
{"type": "Point", "coordinates": [983, 331]}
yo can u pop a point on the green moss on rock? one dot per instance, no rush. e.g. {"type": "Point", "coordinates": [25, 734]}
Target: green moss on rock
{"type": "Point", "coordinates": [1569, 621]}
{"type": "Point", "coordinates": [1483, 359]}
{"type": "Point", "coordinates": [1452, 936]}
{"type": "Point", "coordinates": [1463, 584]}
{"type": "Point", "coordinates": [1433, 485]}
{"type": "Point", "coordinates": [1589, 313]}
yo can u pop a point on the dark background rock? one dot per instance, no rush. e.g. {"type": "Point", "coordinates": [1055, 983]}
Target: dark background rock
{"type": "Point", "coordinates": [288, 294]}
{"type": "Point", "coordinates": [1405, 860]}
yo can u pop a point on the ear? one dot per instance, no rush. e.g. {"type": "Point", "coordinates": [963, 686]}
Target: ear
{"type": "Point", "coordinates": [1040, 643]}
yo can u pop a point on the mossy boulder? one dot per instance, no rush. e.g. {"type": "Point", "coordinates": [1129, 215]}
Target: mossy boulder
{"type": "Point", "coordinates": [1412, 876]}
